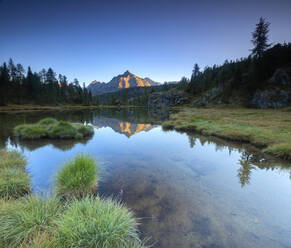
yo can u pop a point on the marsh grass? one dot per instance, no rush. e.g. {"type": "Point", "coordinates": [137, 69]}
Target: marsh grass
{"type": "Point", "coordinates": [269, 129]}
{"type": "Point", "coordinates": [14, 183]}
{"type": "Point", "coordinates": [48, 222]}
{"type": "Point", "coordinates": [27, 219]}
{"type": "Point", "coordinates": [11, 159]}
{"type": "Point", "coordinates": [78, 177]}
{"type": "Point", "coordinates": [75, 217]}
{"type": "Point", "coordinates": [51, 128]}
{"type": "Point", "coordinates": [14, 180]}
{"type": "Point", "coordinates": [48, 121]}
{"type": "Point", "coordinates": [96, 222]}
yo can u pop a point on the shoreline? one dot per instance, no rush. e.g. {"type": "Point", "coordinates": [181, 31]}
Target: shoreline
{"type": "Point", "coordinates": [267, 129]}
{"type": "Point", "coordinates": [28, 108]}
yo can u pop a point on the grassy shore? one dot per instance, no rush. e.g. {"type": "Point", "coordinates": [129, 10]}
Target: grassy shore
{"type": "Point", "coordinates": [28, 108]}
{"type": "Point", "coordinates": [81, 220]}
{"type": "Point", "coordinates": [267, 129]}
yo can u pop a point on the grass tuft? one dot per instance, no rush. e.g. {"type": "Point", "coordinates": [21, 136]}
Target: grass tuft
{"type": "Point", "coordinates": [96, 222]}
{"type": "Point", "coordinates": [63, 130]}
{"type": "Point", "coordinates": [48, 121]}
{"type": "Point", "coordinates": [78, 177]}
{"type": "Point", "coordinates": [14, 183]}
{"type": "Point", "coordinates": [51, 128]}
{"type": "Point", "coordinates": [27, 219]}
{"type": "Point", "coordinates": [14, 180]}
{"type": "Point", "coordinates": [11, 159]}
{"type": "Point", "coordinates": [30, 131]}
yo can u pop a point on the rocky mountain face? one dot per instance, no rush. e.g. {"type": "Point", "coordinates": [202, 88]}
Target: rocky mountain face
{"type": "Point", "coordinates": [124, 127]}
{"type": "Point", "coordinates": [277, 93]}
{"type": "Point", "coordinates": [123, 81]}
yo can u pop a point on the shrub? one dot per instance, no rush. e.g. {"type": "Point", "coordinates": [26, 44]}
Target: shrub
{"type": "Point", "coordinates": [26, 219]}
{"type": "Point", "coordinates": [14, 183]}
{"type": "Point", "coordinates": [78, 177]}
{"type": "Point", "coordinates": [95, 222]}
{"type": "Point", "coordinates": [48, 121]}
{"type": "Point", "coordinates": [11, 159]}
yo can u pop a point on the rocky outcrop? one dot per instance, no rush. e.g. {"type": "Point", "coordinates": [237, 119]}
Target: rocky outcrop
{"type": "Point", "coordinates": [123, 81]}
{"type": "Point", "coordinates": [277, 93]}
{"type": "Point", "coordinates": [168, 98]}
{"type": "Point", "coordinates": [208, 96]}
{"type": "Point", "coordinates": [281, 77]}
{"type": "Point", "coordinates": [271, 98]}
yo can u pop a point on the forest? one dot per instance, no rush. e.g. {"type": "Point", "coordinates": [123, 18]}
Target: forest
{"type": "Point", "coordinates": [20, 86]}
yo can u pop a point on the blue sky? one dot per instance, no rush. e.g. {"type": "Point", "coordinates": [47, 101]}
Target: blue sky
{"type": "Point", "coordinates": [161, 39]}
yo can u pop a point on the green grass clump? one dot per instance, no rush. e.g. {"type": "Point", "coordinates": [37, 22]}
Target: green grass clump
{"type": "Point", "coordinates": [51, 128]}
{"type": "Point", "coordinates": [36, 222]}
{"type": "Point", "coordinates": [63, 130]}
{"type": "Point", "coordinates": [25, 220]}
{"type": "Point", "coordinates": [14, 183]}
{"type": "Point", "coordinates": [85, 130]}
{"type": "Point", "coordinates": [78, 177]}
{"type": "Point", "coordinates": [14, 180]}
{"type": "Point", "coordinates": [48, 121]}
{"type": "Point", "coordinates": [30, 131]}
{"type": "Point", "coordinates": [11, 159]}
{"type": "Point", "coordinates": [95, 222]}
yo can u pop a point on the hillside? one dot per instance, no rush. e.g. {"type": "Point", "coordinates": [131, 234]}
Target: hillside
{"type": "Point", "coordinates": [123, 81]}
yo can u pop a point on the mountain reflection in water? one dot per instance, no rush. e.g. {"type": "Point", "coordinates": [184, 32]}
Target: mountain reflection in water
{"type": "Point", "coordinates": [187, 190]}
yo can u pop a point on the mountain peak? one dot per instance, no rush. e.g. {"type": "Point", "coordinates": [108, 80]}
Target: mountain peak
{"type": "Point", "coordinates": [125, 80]}
{"type": "Point", "coordinates": [127, 73]}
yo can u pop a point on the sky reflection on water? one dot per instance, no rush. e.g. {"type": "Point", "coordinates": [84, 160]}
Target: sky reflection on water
{"type": "Point", "coordinates": [188, 190]}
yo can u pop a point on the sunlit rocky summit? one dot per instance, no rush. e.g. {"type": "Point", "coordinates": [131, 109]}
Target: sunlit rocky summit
{"type": "Point", "coordinates": [125, 80]}
{"type": "Point", "coordinates": [123, 127]}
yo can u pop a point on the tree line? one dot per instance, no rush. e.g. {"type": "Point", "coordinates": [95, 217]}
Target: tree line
{"type": "Point", "coordinates": [18, 86]}
{"type": "Point", "coordinates": [245, 74]}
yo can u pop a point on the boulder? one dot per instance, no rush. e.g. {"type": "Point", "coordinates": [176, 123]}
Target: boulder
{"type": "Point", "coordinates": [271, 98]}
{"type": "Point", "coordinates": [168, 98]}
{"type": "Point", "coordinates": [281, 78]}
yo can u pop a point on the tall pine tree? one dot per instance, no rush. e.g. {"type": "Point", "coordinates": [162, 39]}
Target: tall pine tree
{"type": "Point", "coordinates": [260, 38]}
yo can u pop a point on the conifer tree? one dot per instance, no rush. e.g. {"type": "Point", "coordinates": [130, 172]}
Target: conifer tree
{"type": "Point", "coordinates": [260, 38]}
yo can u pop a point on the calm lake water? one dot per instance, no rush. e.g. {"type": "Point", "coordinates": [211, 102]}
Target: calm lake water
{"type": "Point", "coordinates": [188, 190]}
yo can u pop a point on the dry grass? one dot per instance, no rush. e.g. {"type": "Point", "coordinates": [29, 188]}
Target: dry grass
{"type": "Point", "coordinates": [269, 129]}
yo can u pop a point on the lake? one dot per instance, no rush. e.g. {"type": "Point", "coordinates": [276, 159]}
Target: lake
{"type": "Point", "coordinates": [187, 190]}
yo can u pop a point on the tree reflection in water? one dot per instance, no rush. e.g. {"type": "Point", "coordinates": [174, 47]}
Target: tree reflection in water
{"type": "Point", "coordinates": [251, 158]}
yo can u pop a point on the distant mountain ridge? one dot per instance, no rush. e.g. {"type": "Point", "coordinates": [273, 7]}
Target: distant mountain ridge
{"type": "Point", "coordinates": [125, 80]}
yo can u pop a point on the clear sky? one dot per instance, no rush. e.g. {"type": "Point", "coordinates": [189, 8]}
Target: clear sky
{"type": "Point", "coordinates": [161, 39]}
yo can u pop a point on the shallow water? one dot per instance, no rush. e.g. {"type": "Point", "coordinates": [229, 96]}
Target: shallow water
{"type": "Point", "coordinates": [188, 190]}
